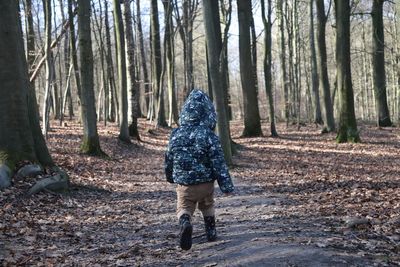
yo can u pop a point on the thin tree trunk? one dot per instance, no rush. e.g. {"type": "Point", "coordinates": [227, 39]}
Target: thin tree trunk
{"type": "Point", "coordinates": [143, 59]}
{"type": "Point", "coordinates": [227, 17]}
{"type": "Point", "coordinates": [252, 125]}
{"type": "Point", "coordinates": [158, 103]}
{"type": "Point", "coordinates": [90, 142]}
{"type": "Point", "coordinates": [49, 68]}
{"type": "Point", "coordinates": [268, 64]}
{"type": "Point", "coordinates": [284, 78]}
{"type": "Point", "coordinates": [133, 88]}
{"type": "Point", "coordinates": [314, 72]}
{"type": "Point", "coordinates": [113, 103]}
{"type": "Point", "coordinates": [323, 68]}
{"type": "Point", "coordinates": [121, 57]}
{"type": "Point", "coordinates": [214, 48]}
{"type": "Point", "coordinates": [378, 62]}
{"type": "Point", "coordinates": [170, 63]}
{"type": "Point", "coordinates": [73, 49]}
{"type": "Point", "coordinates": [103, 75]}
{"type": "Point", "coordinates": [347, 120]}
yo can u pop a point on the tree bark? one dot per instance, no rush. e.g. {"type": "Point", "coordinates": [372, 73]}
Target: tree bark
{"type": "Point", "coordinates": [121, 58]}
{"type": "Point", "coordinates": [323, 68]}
{"type": "Point", "coordinates": [314, 72]}
{"type": "Point", "coordinates": [170, 62]}
{"type": "Point", "coordinates": [20, 135]}
{"type": "Point", "coordinates": [113, 103]}
{"type": "Point", "coordinates": [226, 20]}
{"type": "Point", "coordinates": [252, 125]}
{"type": "Point", "coordinates": [158, 99]}
{"type": "Point", "coordinates": [90, 142]}
{"type": "Point", "coordinates": [268, 64]}
{"type": "Point", "coordinates": [49, 68]}
{"type": "Point", "coordinates": [282, 56]}
{"type": "Point", "coordinates": [378, 62]}
{"type": "Point", "coordinates": [143, 59]}
{"type": "Point", "coordinates": [73, 49]}
{"type": "Point", "coordinates": [133, 88]}
{"type": "Point", "coordinates": [347, 120]}
{"type": "Point", "coordinates": [214, 47]}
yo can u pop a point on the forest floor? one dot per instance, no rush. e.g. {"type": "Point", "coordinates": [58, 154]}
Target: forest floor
{"type": "Point", "coordinates": [300, 200]}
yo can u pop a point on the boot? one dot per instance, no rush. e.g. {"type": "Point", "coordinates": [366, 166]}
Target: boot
{"type": "Point", "coordinates": [186, 232]}
{"type": "Point", "coordinates": [211, 232]}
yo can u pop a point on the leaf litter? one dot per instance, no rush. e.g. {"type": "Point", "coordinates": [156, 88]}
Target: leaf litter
{"type": "Point", "coordinates": [301, 196]}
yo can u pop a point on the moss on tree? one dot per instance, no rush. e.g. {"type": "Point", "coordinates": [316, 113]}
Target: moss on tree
{"type": "Point", "coordinates": [91, 146]}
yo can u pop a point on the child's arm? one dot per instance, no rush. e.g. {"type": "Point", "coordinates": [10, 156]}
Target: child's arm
{"type": "Point", "coordinates": [168, 165]}
{"type": "Point", "coordinates": [219, 167]}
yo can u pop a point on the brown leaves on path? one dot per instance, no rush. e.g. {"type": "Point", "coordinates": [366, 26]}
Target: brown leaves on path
{"type": "Point", "coordinates": [122, 212]}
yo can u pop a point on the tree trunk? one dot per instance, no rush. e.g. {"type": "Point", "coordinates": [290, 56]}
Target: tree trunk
{"type": "Point", "coordinates": [143, 59]}
{"type": "Point", "coordinates": [30, 39]}
{"type": "Point", "coordinates": [214, 46]}
{"type": "Point", "coordinates": [314, 73]}
{"type": "Point", "coordinates": [49, 67]}
{"type": "Point", "coordinates": [268, 64]}
{"type": "Point", "coordinates": [323, 68]}
{"type": "Point", "coordinates": [103, 75]}
{"type": "Point", "coordinates": [378, 62]}
{"type": "Point", "coordinates": [158, 103]}
{"type": "Point", "coordinates": [170, 63]}
{"type": "Point", "coordinates": [90, 142]}
{"type": "Point", "coordinates": [112, 102]}
{"type": "Point", "coordinates": [282, 55]}
{"type": "Point", "coordinates": [133, 88]}
{"type": "Point", "coordinates": [20, 137]}
{"type": "Point", "coordinates": [68, 66]}
{"type": "Point", "coordinates": [397, 26]}
{"type": "Point", "coordinates": [347, 120]}
{"type": "Point", "coordinates": [121, 58]}
{"type": "Point", "coordinates": [73, 48]}
{"type": "Point", "coordinates": [252, 125]}
{"type": "Point", "coordinates": [226, 20]}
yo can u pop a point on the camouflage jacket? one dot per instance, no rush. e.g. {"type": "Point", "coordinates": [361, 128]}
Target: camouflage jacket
{"type": "Point", "coordinates": [194, 154]}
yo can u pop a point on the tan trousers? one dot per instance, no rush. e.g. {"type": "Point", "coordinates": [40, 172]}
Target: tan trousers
{"type": "Point", "coordinates": [191, 195]}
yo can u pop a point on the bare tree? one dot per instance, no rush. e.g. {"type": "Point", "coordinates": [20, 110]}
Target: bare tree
{"type": "Point", "coordinates": [252, 125]}
{"type": "Point", "coordinates": [21, 138]}
{"type": "Point", "coordinates": [347, 131]}
{"type": "Point", "coordinates": [90, 142]}
{"type": "Point", "coordinates": [214, 47]}
{"type": "Point", "coordinates": [282, 55]}
{"type": "Point", "coordinates": [142, 54]}
{"type": "Point", "coordinates": [378, 62]}
{"type": "Point", "coordinates": [268, 63]}
{"type": "Point", "coordinates": [314, 72]}
{"type": "Point", "coordinates": [158, 99]}
{"type": "Point", "coordinates": [122, 79]}
{"type": "Point", "coordinates": [133, 88]}
{"type": "Point", "coordinates": [170, 62]}
{"type": "Point", "coordinates": [323, 68]}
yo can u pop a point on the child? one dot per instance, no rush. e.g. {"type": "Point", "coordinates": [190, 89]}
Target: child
{"type": "Point", "coordinates": [194, 160]}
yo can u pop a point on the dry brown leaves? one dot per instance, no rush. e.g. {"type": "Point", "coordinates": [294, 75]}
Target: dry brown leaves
{"type": "Point", "coordinates": [121, 211]}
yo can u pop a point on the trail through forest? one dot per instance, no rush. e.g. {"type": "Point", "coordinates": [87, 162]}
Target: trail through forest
{"type": "Point", "coordinates": [301, 200]}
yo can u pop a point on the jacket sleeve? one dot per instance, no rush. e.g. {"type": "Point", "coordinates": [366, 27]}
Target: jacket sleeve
{"type": "Point", "coordinates": [219, 168]}
{"type": "Point", "coordinates": [168, 164]}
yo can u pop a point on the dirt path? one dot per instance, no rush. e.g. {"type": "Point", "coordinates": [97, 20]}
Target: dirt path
{"type": "Point", "coordinates": [292, 194]}
{"type": "Point", "coordinates": [249, 235]}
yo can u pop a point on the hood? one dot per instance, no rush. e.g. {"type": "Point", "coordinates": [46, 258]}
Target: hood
{"type": "Point", "coordinates": [198, 110]}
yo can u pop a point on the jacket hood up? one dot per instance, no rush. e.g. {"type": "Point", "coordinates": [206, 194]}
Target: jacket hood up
{"type": "Point", "coordinates": [198, 110]}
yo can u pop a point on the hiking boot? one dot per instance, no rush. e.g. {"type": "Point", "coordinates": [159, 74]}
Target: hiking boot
{"type": "Point", "coordinates": [186, 232]}
{"type": "Point", "coordinates": [211, 232]}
